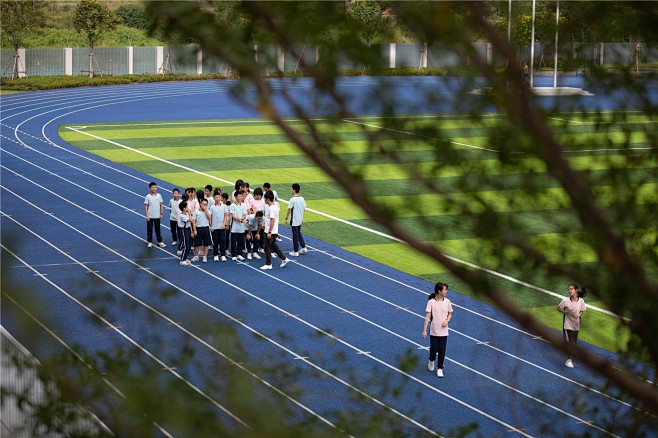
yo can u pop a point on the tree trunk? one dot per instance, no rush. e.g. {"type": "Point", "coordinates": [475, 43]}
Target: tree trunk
{"type": "Point", "coordinates": [14, 71]}
{"type": "Point", "coordinates": [91, 62]}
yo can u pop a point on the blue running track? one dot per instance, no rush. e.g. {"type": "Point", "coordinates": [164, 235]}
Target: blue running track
{"type": "Point", "coordinates": [73, 231]}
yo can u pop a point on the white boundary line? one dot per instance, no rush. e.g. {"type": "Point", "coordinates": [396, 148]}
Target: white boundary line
{"type": "Point", "coordinates": [379, 233]}
{"type": "Point", "coordinates": [175, 323]}
{"type": "Point", "coordinates": [121, 333]}
{"type": "Point", "coordinates": [228, 316]}
{"type": "Point", "coordinates": [477, 341]}
{"type": "Point", "coordinates": [319, 251]}
{"type": "Point", "coordinates": [330, 335]}
{"type": "Point", "coordinates": [421, 136]}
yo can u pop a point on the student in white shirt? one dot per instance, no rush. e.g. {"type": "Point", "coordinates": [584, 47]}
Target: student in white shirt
{"type": "Point", "coordinates": [296, 207]}
{"type": "Point", "coordinates": [154, 210]}
{"type": "Point", "coordinates": [272, 232]}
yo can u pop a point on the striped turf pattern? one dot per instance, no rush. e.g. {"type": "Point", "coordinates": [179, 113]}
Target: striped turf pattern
{"type": "Point", "coordinates": [256, 151]}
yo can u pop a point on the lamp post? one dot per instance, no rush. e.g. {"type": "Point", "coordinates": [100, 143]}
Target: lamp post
{"type": "Point", "coordinates": [557, 23]}
{"type": "Point", "coordinates": [532, 47]}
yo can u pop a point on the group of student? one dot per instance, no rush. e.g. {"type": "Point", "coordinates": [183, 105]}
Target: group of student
{"type": "Point", "coordinates": [242, 224]}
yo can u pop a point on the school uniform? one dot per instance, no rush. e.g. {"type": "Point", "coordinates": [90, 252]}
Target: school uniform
{"type": "Point", "coordinates": [218, 234]}
{"type": "Point", "coordinates": [154, 203]}
{"type": "Point", "coordinates": [439, 311]}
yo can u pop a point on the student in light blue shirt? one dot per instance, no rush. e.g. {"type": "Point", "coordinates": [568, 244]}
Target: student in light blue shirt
{"type": "Point", "coordinates": [219, 222]}
{"type": "Point", "coordinates": [238, 221]}
{"type": "Point", "coordinates": [254, 240]}
{"type": "Point", "coordinates": [296, 207]}
{"type": "Point", "coordinates": [173, 215]}
{"type": "Point", "coordinates": [186, 222]}
{"type": "Point", "coordinates": [202, 239]}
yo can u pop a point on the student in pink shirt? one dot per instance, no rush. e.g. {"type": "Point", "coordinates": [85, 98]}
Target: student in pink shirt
{"type": "Point", "coordinates": [572, 308]}
{"type": "Point", "coordinates": [248, 199]}
{"type": "Point", "coordinates": [439, 312]}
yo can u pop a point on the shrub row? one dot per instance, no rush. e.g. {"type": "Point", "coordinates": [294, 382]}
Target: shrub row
{"type": "Point", "coordinates": [54, 82]}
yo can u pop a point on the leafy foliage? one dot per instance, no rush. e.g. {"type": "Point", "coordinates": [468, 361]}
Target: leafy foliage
{"type": "Point", "coordinates": [92, 19]}
{"type": "Point", "coordinates": [525, 141]}
{"type": "Point", "coordinates": [133, 16]}
{"type": "Point", "coordinates": [19, 19]}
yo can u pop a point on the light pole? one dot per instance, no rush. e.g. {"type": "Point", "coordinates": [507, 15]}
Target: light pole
{"type": "Point", "coordinates": [532, 47]}
{"type": "Point", "coordinates": [557, 23]}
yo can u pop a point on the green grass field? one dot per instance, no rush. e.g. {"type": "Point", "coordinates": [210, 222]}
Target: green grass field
{"type": "Point", "coordinates": [193, 154]}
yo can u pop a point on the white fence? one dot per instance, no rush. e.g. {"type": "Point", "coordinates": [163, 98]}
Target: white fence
{"type": "Point", "coordinates": [271, 58]}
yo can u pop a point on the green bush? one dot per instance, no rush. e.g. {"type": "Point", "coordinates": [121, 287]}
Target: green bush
{"type": "Point", "coordinates": [122, 36]}
{"type": "Point", "coordinates": [54, 82]}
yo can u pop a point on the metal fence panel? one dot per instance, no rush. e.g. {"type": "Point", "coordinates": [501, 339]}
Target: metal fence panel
{"type": "Point", "coordinates": [112, 60]}
{"type": "Point", "coordinates": [144, 60]}
{"type": "Point", "coordinates": [267, 58]}
{"type": "Point", "coordinates": [441, 55]}
{"type": "Point", "coordinates": [44, 62]}
{"type": "Point", "coordinates": [303, 52]}
{"type": "Point", "coordinates": [183, 60]}
{"type": "Point", "coordinates": [408, 55]}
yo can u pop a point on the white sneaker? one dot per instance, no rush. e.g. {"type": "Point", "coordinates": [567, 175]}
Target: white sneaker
{"type": "Point", "coordinates": [162, 245]}
{"type": "Point", "coordinates": [240, 258]}
{"type": "Point", "coordinates": [256, 256]}
{"type": "Point", "coordinates": [430, 365]}
{"type": "Point", "coordinates": [185, 263]}
{"type": "Point", "coordinates": [278, 239]}
{"type": "Point", "coordinates": [205, 259]}
{"type": "Point", "coordinates": [223, 258]}
{"type": "Point", "coordinates": [215, 259]}
{"type": "Point", "coordinates": [273, 255]}
{"type": "Point", "coordinates": [227, 253]}
{"type": "Point", "coordinates": [303, 250]}
{"type": "Point", "coordinates": [244, 251]}
{"type": "Point", "coordinates": [179, 252]}
{"type": "Point", "coordinates": [195, 258]}
{"type": "Point", "coordinates": [569, 363]}
{"type": "Point", "coordinates": [262, 250]}
{"type": "Point", "coordinates": [294, 254]}
{"type": "Point", "coordinates": [174, 243]}
{"type": "Point", "coordinates": [265, 267]}
{"type": "Point", "coordinates": [249, 256]}
{"type": "Point", "coordinates": [235, 259]}
{"type": "Point", "coordinates": [439, 372]}
{"type": "Point", "coordinates": [150, 245]}
{"type": "Point", "coordinates": [284, 262]}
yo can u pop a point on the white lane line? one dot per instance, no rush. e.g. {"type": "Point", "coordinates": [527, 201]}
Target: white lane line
{"type": "Point", "coordinates": [140, 215]}
{"type": "Point", "coordinates": [416, 344]}
{"type": "Point", "coordinates": [181, 328]}
{"type": "Point", "coordinates": [78, 102]}
{"type": "Point", "coordinates": [230, 317]}
{"type": "Point", "coordinates": [379, 233]}
{"type": "Point", "coordinates": [420, 135]}
{"type": "Point", "coordinates": [477, 341]}
{"type": "Point", "coordinates": [565, 120]}
{"type": "Point", "coordinates": [123, 335]}
{"type": "Point", "coordinates": [454, 259]}
{"type": "Point", "coordinates": [257, 297]}
{"type": "Point", "coordinates": [343, 260]}
{"type": "Point", "coordinates": [356, 265]}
